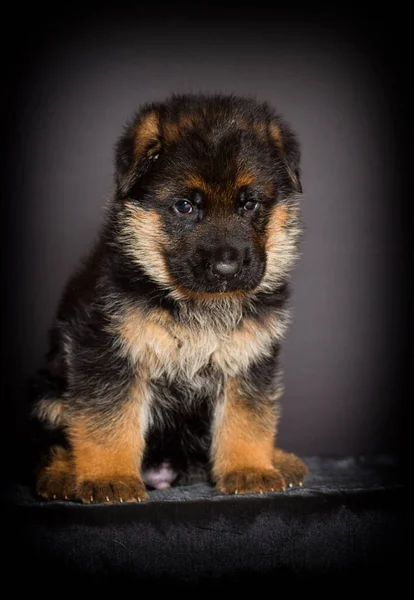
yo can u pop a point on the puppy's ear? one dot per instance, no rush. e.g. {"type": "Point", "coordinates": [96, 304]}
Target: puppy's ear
{"type": "Point", "coordinates": [137, 150]}
{"type": "Point", "coordinates": [288, 147]}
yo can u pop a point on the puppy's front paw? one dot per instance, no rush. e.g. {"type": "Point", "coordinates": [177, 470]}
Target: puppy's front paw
{"type": "Point", "coordinates": [292, 468]}
{"type": "Point", "coordinates": [105, 491]}
{"type": "Point", "coordinates": [248, 481]}
{"type": "Point", "coordinates": [52, 485]}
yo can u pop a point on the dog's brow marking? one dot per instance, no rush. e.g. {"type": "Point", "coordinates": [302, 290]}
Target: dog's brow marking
{"type": "Point", "coordinates": [195, 181]}
{"type": "Point", "coordinates": [245, 178]}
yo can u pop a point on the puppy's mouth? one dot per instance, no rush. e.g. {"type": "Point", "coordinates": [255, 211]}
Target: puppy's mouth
{"type": "Point", "coordinates": [206, 282]}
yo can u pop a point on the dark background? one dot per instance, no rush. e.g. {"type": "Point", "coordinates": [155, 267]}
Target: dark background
{"type": "Point", "coordinates": [73, 80]}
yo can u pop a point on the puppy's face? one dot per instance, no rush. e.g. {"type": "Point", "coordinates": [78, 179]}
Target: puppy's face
{"type": "Point", "coordinates": [206, 195]}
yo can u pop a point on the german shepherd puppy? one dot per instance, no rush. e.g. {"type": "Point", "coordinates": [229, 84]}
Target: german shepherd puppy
{"type": "Point", "coordinates": [163, 363]}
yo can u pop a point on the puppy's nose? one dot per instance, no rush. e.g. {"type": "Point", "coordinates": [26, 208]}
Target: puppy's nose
{"type": "Point", "coordinates": [226, 264]}
{"type": "Point", "coordinates": [225, 269]}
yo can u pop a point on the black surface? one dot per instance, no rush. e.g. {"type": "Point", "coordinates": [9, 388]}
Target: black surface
{"type": "Point", "coordinates": [349, 523]}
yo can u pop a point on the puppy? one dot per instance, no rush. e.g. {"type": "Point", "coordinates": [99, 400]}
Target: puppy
{"type": "Point", "coordinates": [163, 365]}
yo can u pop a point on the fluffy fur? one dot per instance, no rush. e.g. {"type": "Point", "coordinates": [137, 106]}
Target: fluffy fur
{"type": "Point", "coordinates": [164, 354]}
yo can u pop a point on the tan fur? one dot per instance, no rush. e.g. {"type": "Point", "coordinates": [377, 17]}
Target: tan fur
{"type": "Point", "coordinates": [260, 129]}
{"type": "Point", "coordinates": [292, 468]}
{"type": "Point", "coordinates": [167, 348]}
{"type": "Point", "coordinates": [280, 216]}
{"type": "Point", "coordinates": [143, 238]}
{"type": "Point", "coordinates": [60, 461]}
{"type": "Point", "coordinates": [207, 298]}
{"type": "Point", "coordinates": [146, 134]}
{"type": "Point", "coordinates": [196, 182]}
{"type": "Point", "coordinates": [51, 412]}
{"type": "Point", "coordinates": [175, 129]}
{"type": "Point", "coordinates": [106, 451]}
{"type": "Point", "coordinates": [244, 178]}
{"type": "Point", "coordinates": [276, 136]}
{"type": "Point", "coordinates": [56, 480]}
{"type": "Point", "coordinates": [281, 250]}
{"type": "Point", "coordinates": [242, 438]}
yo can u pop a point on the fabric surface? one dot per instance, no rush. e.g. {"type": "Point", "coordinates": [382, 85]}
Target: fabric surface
{"type": "Point", "coordinates": [350, 520]}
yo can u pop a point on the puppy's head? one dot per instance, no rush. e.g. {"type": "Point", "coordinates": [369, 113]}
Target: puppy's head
{"type": "Point", "coordinates": [206, 195]}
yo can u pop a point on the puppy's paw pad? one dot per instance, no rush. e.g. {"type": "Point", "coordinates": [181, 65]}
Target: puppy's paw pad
{"type": "Point", "coordinates": [126, 489]}
{"type": "Point", "coordinates": [252, 482]}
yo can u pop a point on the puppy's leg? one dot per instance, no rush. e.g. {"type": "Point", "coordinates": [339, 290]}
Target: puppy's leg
{"type": "Point", "coordinates": [107, 456]}
{"type": "Point", "coordinates": [56, 479]}
{"type": "Point", "coordinates": [106, 446]}
{"type": "Point", "coordinates": [243, 442]}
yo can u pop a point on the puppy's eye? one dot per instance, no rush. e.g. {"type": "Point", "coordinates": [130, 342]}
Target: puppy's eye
{"type": "Point", "coordinates": [183, 207]}
{"type": "Point", "coordinates": [250, 206]}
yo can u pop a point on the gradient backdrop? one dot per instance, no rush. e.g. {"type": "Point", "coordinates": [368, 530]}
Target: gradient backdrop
{"type": "Point", "coordinates": [344, 353]}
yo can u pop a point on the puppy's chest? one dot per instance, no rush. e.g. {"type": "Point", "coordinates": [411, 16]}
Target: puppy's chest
{"type": "Point", "coordinates": [174, 350]}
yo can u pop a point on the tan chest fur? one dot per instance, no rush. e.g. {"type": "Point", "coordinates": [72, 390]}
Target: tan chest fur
{"type": "Point", "coordinates": [166, 348]}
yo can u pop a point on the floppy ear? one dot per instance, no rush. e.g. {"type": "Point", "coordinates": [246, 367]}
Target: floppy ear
{"type": "Point", "coordinates": [136, 150]}
{"type": "Point", "coordinates": [287, 144]}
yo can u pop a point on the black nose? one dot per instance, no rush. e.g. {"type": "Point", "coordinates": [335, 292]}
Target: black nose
{"type": "Point", "coordinates": [226, 262]}
{"type": "Point", "coordinates": [225, 269]}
